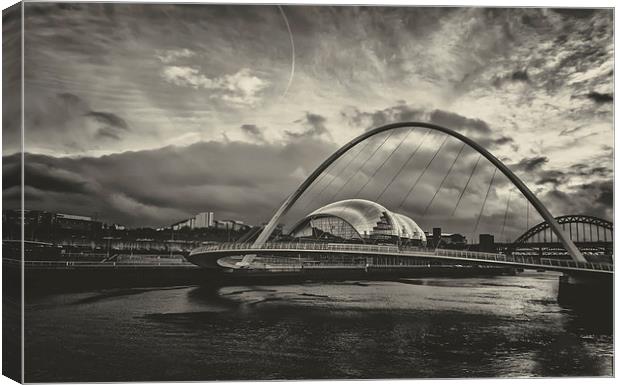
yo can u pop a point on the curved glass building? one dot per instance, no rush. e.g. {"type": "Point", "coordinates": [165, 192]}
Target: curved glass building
{"type": "Point", "coordinates": [361, 221]}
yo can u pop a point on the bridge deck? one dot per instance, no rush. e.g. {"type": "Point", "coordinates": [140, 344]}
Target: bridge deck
{"type": "Point", "coordinates": [222, 250]}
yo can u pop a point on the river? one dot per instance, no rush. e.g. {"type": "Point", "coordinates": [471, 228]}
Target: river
{"type": "Point", "coordinates": [508, 326]}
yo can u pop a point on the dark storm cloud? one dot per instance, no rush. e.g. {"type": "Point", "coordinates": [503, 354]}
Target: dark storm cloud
{"type": "Point", "coordinates": [594, 199]}
{"type": "Point", "coordinates": [579, 13]}
{"type": "Point", "coordinates": [67, 120]}
{"type": "Point", "coordinates": [111, 126]}
{"type": "Point", "coordinates": [399, 113]}
{"type": "Point", "coordinates": [49, 178]}
{"type": "Point", "coordinates": [107, 132]}
{"type": "Point", "coordinates": [601, 98]}
{"type": "Point", "coordinates": [553, 177]}
{"type": "Point", "coordinates": [157, 187]}
{"type": "Point", "coordinates": [314, 126]}
{"type": "Point", "coordinates": [491, 143]}
{"type": "Point", "coordinates": [477, 129]}
{"type": "Point", "coordinates": [11, 171]}
{"type": "Point", "coordinates": [459, 122]}
{"type": "Point", "coordinates": [602, 171]}
{"type": "Point", "coordinates": [503, 140]}
{"type": "Point", "coordinates": [317, 122]}
{"type": "Point", "coordinates": [11, 79]}
{"type": "Point", "coordinates": [585, 170]}
{"type": "Point", "coordinates": [569, 131]}
{"type": "Point", "coordinates": [530, 164]}
{"type": "Point", "coordinates": [405, 113]}
{"type": "Point", "coordinates": [520, 76]}
{"type": "Point", "coordinates": [43, 176]}
{"type": "Point", "coordinates": [108, 119]}
{"type": "Point", "coordinates": [253, 131]}
{"type": "Point", "coordinates": [604, 192]}
{"type": "Point", "coordinates": [71, 102]}
{"type": "Point", "coordinates": [564, 191]}
{"type": "Point", "coordinates": [517, 76]}
{"type": "Point", "coordinates": [581, 56]}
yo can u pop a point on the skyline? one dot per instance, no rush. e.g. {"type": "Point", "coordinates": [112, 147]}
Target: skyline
{"type": "Point", "coordinates": [235, 88]}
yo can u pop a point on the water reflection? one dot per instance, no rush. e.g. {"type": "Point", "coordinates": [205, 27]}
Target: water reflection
{"type": "Point", "coordinates": [431, 328]}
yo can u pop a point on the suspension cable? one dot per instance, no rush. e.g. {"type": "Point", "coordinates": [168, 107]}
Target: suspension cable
{"type": "Point", "coordinates": [383, 163]}
{"type": "Point", "coordinates": [364, 163]}
{"type": "Point", "coordinates": [473, 170]}
{"type": "Point", "coordinates": [319, 180]}
{"type": "Point", "coordinates": [506, 214]}
{"type": "Point", "coordinates": [486, 196]}
{"type": "Point", "coordinates": [527, 214]}
{"type": "Point", "coordinates": [335, 176]}
{"type": "Point", "coordinates": [351, 160]}
{"type": "Point", "coordinates": [387, 186]}
{"type": "Point", "coordinates": [361, 166]}
{"type": "Point", "coordinates": [444, 179]}
{"type": "Point", "coordinates": [422, 174]}
{"type": "Point", "coordinates": [357, 194]}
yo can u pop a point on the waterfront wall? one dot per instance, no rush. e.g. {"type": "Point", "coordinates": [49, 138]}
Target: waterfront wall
{"type": "Point", "coordinates": [41, 279]}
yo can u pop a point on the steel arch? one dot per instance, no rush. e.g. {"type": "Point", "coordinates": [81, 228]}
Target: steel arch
{"type": "Point", "coordinates": [542, 226]}
{"type": "Point", "coordinates": [542, 210]}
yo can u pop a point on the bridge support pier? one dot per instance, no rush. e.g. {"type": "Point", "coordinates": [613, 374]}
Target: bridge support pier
{"type": "Point", "coordinates": [586, 291]}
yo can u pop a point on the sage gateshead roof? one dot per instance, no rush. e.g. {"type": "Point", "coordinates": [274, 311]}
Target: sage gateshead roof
{"type": "Point", "coordinates": [358, 219]}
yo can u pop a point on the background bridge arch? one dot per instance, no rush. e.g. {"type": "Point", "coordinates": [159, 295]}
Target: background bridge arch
{"type": "Point", "coordinates": [593, 230]}
{"type": "Point", "coordinates": [536, 203]}
{"type": "Point", "coordinates": [566, 219]}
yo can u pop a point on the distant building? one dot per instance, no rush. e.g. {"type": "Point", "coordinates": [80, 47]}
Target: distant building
{"type": "Point", "coordinates": [73, 222]}
{"type": "Point", "coordinates": [182, 224]}
{"type": "Point", "coordinates": [229, 224]}
{"type": "Point", "coordinates": [436, 236]}
{"type": "Point", "coordinates": [487, 243]}
{"type": "Point", "coordinates": [447, 240]}
{"type": "Point", "coordinates": [453, 240]}
{"type": "Point", "coordinates": [204, 220]}
{"type": "Point", "coordinates": [47, 226]}
{"type": "Point", "coordinates": [200, 221]}
{"type": "Point", "coordinates": [69, 233]}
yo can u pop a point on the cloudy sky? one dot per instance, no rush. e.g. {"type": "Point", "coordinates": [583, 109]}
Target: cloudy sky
{"type": "Point", "coordinates": [146, 114]}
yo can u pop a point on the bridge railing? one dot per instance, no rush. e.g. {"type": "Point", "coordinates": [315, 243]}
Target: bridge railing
{"type": "Point", "coordinates": [524, 260]}
{"type": "Point", "coordinates": [312, 246]}
{"type": "Point", "coordinates": [581, 265]}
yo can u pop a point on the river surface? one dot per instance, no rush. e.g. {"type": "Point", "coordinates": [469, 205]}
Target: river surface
{"type": "Point", "coordinates": [510, 326]}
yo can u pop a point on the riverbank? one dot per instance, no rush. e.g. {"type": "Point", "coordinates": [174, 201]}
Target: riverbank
{"type": "Point", "coordinates": [67, 276]}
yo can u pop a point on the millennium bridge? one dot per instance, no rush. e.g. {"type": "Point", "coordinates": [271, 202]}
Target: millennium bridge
{"type": "Point", "coordinates": [371, 235]}
{"type": "Point", "coordinates": [211, 256]}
